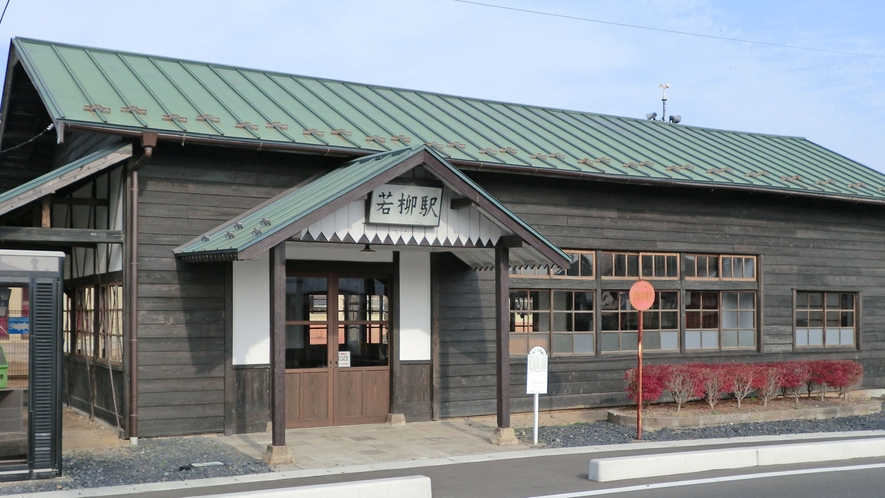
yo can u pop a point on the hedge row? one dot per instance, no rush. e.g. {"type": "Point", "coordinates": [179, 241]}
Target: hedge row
{"type": "Point", "coordinates": [712, 382]}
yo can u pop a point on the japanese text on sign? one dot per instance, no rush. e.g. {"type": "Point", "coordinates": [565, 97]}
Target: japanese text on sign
{"type": "Point", "coordinates": [405, 205]}
{"type": "Point", "coordinates": [536, 378]}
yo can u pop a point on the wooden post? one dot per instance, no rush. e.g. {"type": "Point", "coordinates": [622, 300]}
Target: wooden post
{"type": "Point", "coordinates": [278, 343]}
{"type": "Point", "coordinates": [278, 452]}
{"type": "Point", "coordinates": [502, 334]}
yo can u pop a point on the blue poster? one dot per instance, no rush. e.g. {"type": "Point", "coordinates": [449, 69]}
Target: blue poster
{"type": "Point", "coordinates": [18, 325]}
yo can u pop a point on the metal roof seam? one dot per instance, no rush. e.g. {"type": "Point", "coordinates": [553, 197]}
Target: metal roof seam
{"type": "Point", "coordinates": [245, 99]}
{"type": "Point", "coordinates": [183, 94]}
{"type": "Point", "coordinates": [226, 107]}
{"type": "Point", "coordinates": [148, 89]}
{"type": "Point", "coordinates": [126, 102]}
{"type": "Point", "coordinates": [498, 143]}
{"type": "Point", "coordinates": [89, 100]}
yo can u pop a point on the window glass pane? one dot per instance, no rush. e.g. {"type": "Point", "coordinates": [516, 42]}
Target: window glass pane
{"type": "Point", "coordinates": [729, 320]}
{"type": "Point", "coordinates": [729, 300]}
{"type": "Point", "coordinates": [726, 268]}
{"type": "Point", "coordinates": [609, 300]}
{"type": "Point", "coordinates": [541, 322]}
{"type": "Point", "coordinates": [833, 318]}
{"type": "Point", "coordinates": [669, 320]}
{"type": "Point", "coordinates": [847, 319]}
{"type": "Point", "coordinates": [738, 267]}
{"type": "Point", "coordinates": [670, 341]}
{"type": "Point", "coordinates": [584, 301]}
{"type": "Point", "coordinates": [746, 338]}
{"type": "Point", "coordinates": [630, 321]}
{"type": "Point", "coordinates": [746, 319]}
{"type": "Point", "coordinates": [801, 300]}
{"type": "Point", "coordinates": [815, 319]}
{"type": "Point", "coordinates": [690, 262]}
{"type": "Point", "coordinates": [702, 266]}
{"type": "Point", "coordinates": [632, 265]}
{"type": "Point", "coordinates": [562, 343]}
{"type": "Point", "coordinates": [540, 300]}
{"type": "Point", "coordinates": [748, 300]}
{"type": "Point", "coordinates": [714, 267]}
{"type": "Point", "coordinates": [833, 300]}
{"type": "Point", "coordinates": [561, 322]}
{"type": "Point", "coordinates": [672, 266]}
{"type": "Point", "coordinates": [815, 337]}
{"type": "Point", "coordinates": [710, 339]}
{"type": "Point", "coordinates": [729, 338]}
{"type": "Point", "coordinates": [847, 301]}
{"type": "Point", "coordinates": [306, 298]}
{"type": "Point", "coordinates": [802, 319]}
{"type": "Point", "coordinates": [669, 300]}
{"type": "Point", "coordinates": [693, 339]}
{"type": "Point", "coordinates": [692, 319]}
{"type": "Point", "coordinates": [660, 265]}
{"type": "Point", "coordinates": [584, 343]}
{"type": "Point", "coordinates": [620, 264]}
{"type": "Point", "coordinates": [650, 320]}
{"type": "Point", "coordinates": [587, 264]}
{"type": "Point", "coordinates": [815, 300]}
{"type": "Point", "coordinates": [694, 300]}
{"type": "Point", "coordinates": [583, 322]}
{"type": "Point", "coordinates": [801, 337]}
{"type": "Point", "coordinates": [710, 319]}
{"type": "Point", "coordinates": [750, 268]}
{"type": "Point", "coordinates": [710, 300]}
{"type": "Point", "coordinates": [536, 340]}
{"type": "Point", "coordinates": [562, 300]}
{"type": "Point", "coordinates": [629, 341]}
{"type": "Point", "coordinates": [846, 337]}
{"type": "Point", "coordinates": [648, 265]}
{"type": "Point", "coordinates": [610, 342]}
{"type": "Point", "coordinates": [651, 340]}
{"type": "Point", "coordinates": [610, 321]}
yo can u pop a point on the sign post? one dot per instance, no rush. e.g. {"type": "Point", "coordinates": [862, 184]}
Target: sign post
{"type": "Point", "coordinates": [642, 296]}
{"type": "Point", "coordinates": [536, 379]}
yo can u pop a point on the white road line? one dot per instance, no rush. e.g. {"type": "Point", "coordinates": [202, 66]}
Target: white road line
{"type": "Point", "coordinates": [711, 480]}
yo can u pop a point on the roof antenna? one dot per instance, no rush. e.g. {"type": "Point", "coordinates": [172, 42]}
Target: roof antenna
{"type": "Point", "coordinates": [652, 115]}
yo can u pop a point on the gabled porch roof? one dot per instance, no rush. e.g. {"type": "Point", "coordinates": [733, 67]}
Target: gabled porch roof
{"type": "Point", "coordinates": [287, 215]}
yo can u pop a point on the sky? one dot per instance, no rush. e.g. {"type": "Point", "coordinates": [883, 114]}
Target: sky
{"type": "Point", "coordinates": [817, 69]}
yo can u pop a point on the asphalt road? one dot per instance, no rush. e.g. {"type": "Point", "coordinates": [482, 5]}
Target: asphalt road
{"type": "Point", "coordinates": [565, 476]}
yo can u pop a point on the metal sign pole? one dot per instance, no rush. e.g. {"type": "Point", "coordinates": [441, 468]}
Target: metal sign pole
{"type": "Point", "coordinates": [535, 440]}
{"type": "Point", "coordinates": [642, 297]}
{"type": "Point", "coordinates": [639, 374]}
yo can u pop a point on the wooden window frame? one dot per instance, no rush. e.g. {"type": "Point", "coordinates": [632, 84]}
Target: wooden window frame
{"type": "Point", "coordinates": [549, 315]}
{"type": "Point", "coordinates": [720, 265]}
{"type": "Point", "coordinates": [855, 311]}
{"type": "Point", "coordinates": [720, 313]}
{"type": "Point", "coordinates": [622, 295]}
{"type": "Point", "coordinates": [639, 266]}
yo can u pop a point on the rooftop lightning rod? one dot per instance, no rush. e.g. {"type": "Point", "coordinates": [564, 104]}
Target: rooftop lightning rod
{"type": "Point", "coordinates": [652, 115]}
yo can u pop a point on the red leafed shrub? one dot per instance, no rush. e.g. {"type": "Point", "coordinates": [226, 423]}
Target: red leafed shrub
{"type": "Point", "coordinates": [715, 383]}
{"type": "Point", "coordinates": [741, 378]}
{"type": "Point", "coordinates": [683, 383]}
{"type": "Point", "coordinates": [841, 375]}
{"type": "Point", "coordinates": [769, 382]}
{"type": "Point", "coordinates": [795, 375]}
{"type": "Point", "coordinates": [819, 377]}
{"type": "Point", "coordinates": [652, 383]}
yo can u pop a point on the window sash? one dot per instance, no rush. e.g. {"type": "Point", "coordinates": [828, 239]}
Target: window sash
{"type": "Point", "coordinates": [825, 320]}
{"type": "Point", "coordinates": [720, 320]}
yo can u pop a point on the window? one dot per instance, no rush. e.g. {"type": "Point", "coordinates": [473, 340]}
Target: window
{"type": "Point", "coordinates": [720, 267]}
{"type": "Point", "coordinates": [110, 340]}
{"type": "Point", "coordinates": [620, 323]}
{"type": "Point", "coordinates": [646, 264]}
{"type": "Point", "coordinates": [566, 317]}
{"type": "Point", "coordinates": [825, 319]}
{"type": "Point", "coordinates": [717, 320]}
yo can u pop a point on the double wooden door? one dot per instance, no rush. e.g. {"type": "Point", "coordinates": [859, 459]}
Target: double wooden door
{"type": "Point", "coordinates": [337, 354]}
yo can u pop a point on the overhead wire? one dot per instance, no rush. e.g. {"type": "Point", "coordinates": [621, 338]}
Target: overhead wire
{"type": "Point", "coordinates": [35, 137]}
{"type": "Point", "coordinates": [670, 31]}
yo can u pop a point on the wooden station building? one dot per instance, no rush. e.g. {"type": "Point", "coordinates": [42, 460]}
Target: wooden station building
{"type": "Point", "coordinates": [246, 246]}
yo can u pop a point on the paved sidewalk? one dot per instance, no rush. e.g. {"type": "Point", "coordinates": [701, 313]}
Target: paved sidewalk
{"type": "Point", "coordinates": [325, 447]}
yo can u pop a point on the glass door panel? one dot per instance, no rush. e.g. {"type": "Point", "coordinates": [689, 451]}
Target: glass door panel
{"type": "Point", "coordinates": [307, 317]}
{"type": "Point", "coordinates": [363, 320]}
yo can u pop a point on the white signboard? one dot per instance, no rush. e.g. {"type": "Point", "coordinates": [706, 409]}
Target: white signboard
{"type": "Point", "coordinates": [405, 205]}
{"type": "Point", "coordinates": [343, 359]}
{"type": "Point", "coordinates": [536, 378]}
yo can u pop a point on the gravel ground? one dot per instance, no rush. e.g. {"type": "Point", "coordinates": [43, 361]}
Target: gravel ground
{"type": "Point", "coordinates": [168, 459]}
{"type": "Point", "coordinates": [599, 433]}
{"type": "Point", "coordinates": [153, 460]}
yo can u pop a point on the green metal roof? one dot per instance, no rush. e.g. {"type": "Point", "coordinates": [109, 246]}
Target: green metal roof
{"type": "Point", "coordinates": [283, 216]}
{"type": "Point", "coordinates": [184, 100]}
{"type": "Point", "coordinates": [64, 176]}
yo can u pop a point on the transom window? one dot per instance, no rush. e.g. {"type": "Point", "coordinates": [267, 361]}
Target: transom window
{"type": "Point", "coordinates": [646, 264]}
{"type": "Point", "coordinates": [620, 323]}
{"type": "Point", "coordinates": [720, 320]}
{"type": "Point", "coordinates": [825, 319]}
{"type": "Point", "coordinates": [720, 267]}
{"type": "Point", "coordinates": [564, 317]}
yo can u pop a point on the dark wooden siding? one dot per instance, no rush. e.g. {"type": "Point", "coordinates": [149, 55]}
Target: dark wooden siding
{"type": "Point", "coordinates": [803, 244]}
{"type": "Point", "coordinates": [184, 192]}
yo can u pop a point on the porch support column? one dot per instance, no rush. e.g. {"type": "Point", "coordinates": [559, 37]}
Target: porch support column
{"type": "Point", "coordinates": [503, 433]}
{"type": "Point", "coordinates": [277, 452]}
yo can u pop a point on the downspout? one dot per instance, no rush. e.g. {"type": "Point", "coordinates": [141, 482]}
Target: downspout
{"type": "Point", "coordinates": [148, 142]}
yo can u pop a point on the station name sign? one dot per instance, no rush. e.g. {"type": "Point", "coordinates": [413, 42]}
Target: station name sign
{"type": "Point", "coordinates": [405, 205]}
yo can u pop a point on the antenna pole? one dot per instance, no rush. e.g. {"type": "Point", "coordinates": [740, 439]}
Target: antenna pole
{"type": "Point", "coordinates": [664, 87]}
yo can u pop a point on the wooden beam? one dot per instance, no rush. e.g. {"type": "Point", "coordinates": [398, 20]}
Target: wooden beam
{"type": "Point", "coordinates": [45, 213]}
{"type": "Point", "coordinates": [502, 334]}
{"type": "Point", "coordinates": [509, 241]}
{"type": "Point", "coordinates": [60, 236]}
{"type": "Point", "coordinates": [278, 343]}
{"type": "Point", "coordinates": [461, 203]}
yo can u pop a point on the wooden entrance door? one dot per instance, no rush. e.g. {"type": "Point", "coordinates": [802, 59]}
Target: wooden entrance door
{"type": "Point", "coordinates": [337, 336]}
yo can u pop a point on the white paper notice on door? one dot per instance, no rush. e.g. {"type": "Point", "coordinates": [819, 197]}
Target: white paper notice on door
{"type": "Point", "coordinates": [343, 359]}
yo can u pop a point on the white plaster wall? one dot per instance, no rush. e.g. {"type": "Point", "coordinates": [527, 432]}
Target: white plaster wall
{"type": "Point", "coordinates": [317, 251]}
{"type": "Point", "coordinates": [251, 311]}
{"type": "Point", "coordinates": [414, 306]}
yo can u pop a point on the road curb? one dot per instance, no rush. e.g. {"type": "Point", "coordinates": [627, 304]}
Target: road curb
{"type": "Point", "coordinates": [688, 462]}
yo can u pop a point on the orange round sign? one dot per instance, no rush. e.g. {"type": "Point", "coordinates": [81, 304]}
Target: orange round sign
{"type": "Point", "coordinates": [642, 295]}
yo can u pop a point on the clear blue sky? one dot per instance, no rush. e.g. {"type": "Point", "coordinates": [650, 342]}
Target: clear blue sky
{"type": "Point", "coordinates": [834, 99]}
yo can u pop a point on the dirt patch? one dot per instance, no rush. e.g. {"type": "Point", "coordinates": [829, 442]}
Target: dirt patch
{"type": "Point", "coordinates": [81, 435]}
